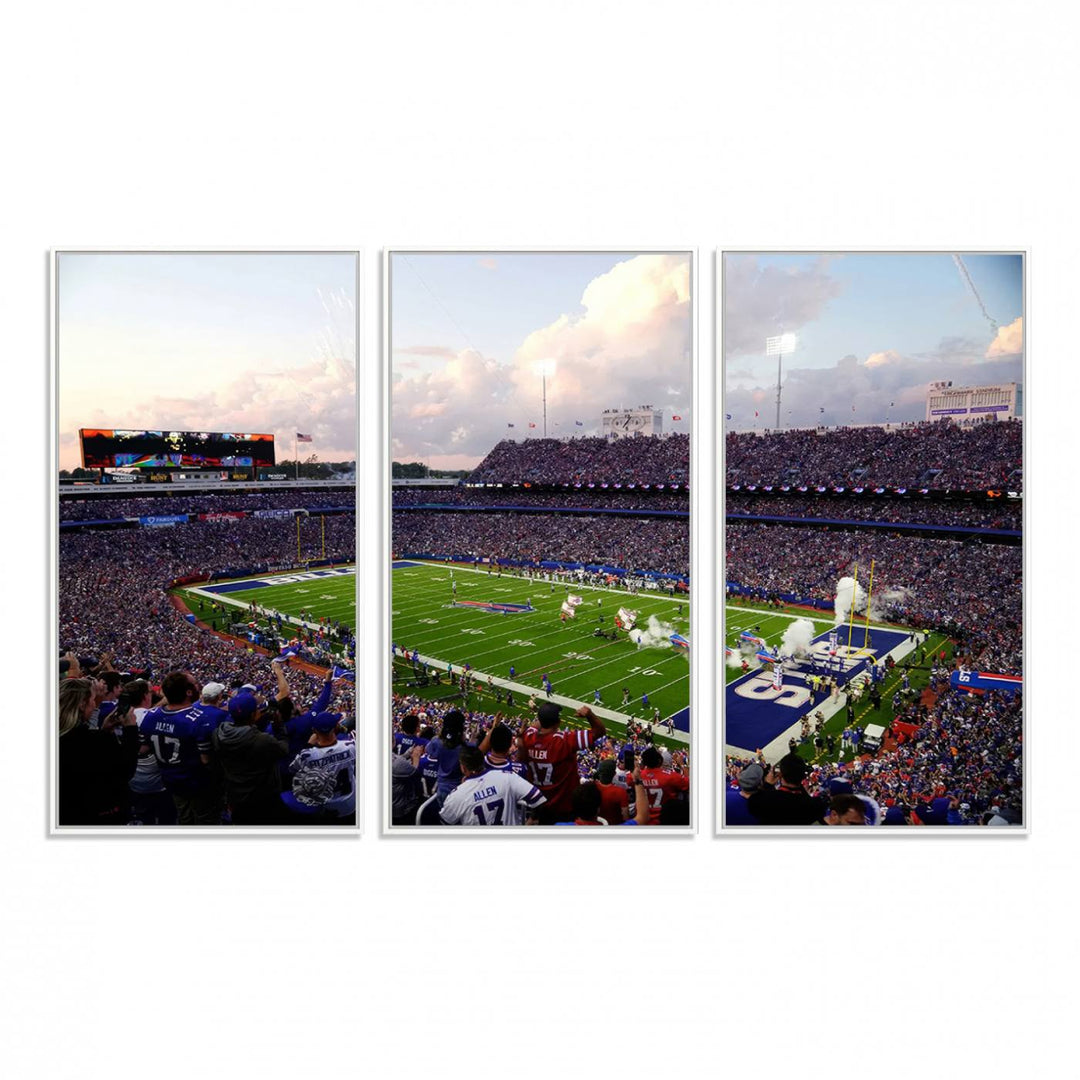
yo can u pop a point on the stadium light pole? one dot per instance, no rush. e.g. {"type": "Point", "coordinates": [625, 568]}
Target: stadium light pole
{"type": "Point", "coordinates": [779, 346]}
{"type": "Point", "coordinates": [545, 368]}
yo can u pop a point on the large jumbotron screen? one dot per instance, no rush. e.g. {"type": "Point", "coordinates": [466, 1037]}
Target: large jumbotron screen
{"type": "Point", "coordinates": [109, 449]}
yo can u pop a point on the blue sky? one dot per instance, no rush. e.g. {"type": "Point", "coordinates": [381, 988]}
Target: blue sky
{"type": "Point", "coordinates": [491, 301]}
{"type": "Point", "coordinates": [252, 342]}
{"type": "Point", "coordinates": [469, 331]}
{"type": "Point", "coordinates": [870, 329]}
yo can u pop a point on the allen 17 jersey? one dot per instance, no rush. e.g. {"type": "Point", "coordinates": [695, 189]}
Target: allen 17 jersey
{"type": "Point", "coordinates": [490, 799]}
{"type": "Point", "coordinates": [661, 786]}
{"type": "Point", "coordinates": [552, 762]}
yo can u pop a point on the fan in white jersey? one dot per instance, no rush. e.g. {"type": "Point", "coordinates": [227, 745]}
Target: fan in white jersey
{"type": "Point", "coordinates": [324, 773]}
{"type": "Point", "coordinates": [488, 796]}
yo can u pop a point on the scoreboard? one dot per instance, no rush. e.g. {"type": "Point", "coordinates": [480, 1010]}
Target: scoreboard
{"type": "Point", "coordinates": [110, 448]}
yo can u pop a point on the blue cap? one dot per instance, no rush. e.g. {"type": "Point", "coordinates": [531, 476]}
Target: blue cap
{"type": "Point", "coordinates": [326, 721]}
{"type": "Point", "coordinates": [243, 706]}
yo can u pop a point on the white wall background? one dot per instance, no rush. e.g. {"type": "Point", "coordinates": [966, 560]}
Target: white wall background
{"type": "Point", "coordinates": [625, 123]}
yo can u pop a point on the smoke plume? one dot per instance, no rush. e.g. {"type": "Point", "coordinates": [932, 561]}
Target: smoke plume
{"type": "Point", "coordinates": [656, 635]}
{"type": "Point", "coordinates": [797, 638]}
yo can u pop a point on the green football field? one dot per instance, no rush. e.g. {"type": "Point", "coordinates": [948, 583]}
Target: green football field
{"type": "Point", "coordinates": [535, 643]}
{"type": "Point", "coordinates": [329, 595]}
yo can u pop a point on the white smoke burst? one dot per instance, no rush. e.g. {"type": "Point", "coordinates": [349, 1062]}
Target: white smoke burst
{"type": "Point", "coordinates": [656, 635]}
{"type": "Point", "coordinates": [847, 590]}
{"type": "Point", "coordinates": [798, 638]}
{"type": "Point", "coordinates": [735, 660]}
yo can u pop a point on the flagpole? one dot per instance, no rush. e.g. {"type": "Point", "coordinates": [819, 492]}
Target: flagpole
{"type": "Point", "coordinates": [296, 459]}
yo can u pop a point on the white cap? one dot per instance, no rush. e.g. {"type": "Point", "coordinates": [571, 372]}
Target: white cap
{"type": "Point", "coordinates": [212, 691]}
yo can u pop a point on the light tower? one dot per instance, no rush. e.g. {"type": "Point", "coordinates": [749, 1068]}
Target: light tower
{"type": "Point", "coordinates": [545, 368]}
{"type": "Point", "coordinates": [780, 346]}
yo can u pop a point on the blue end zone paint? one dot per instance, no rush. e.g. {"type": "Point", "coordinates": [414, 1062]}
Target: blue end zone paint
{"type": "Point", "coordinates": [234, 586]}
{"type": "Point", "coordinates": [682, 720]}
{"type": "Point", "coordinates": [403, 564]}
{"type": "Point", "coordinates": [286, 578]}
{"type": "Point", "coordinates": [752, 722]}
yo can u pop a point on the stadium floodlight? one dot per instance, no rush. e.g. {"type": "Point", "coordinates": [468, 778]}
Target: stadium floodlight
{"type": "Point", "coordinates": [544, 368]}
{"type": "Point", "coordinates": [779, 346]}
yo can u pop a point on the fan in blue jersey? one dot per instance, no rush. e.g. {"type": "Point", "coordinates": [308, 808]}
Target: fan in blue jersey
{"type": "Point", "coordinates": [445, 749]}
{"type": "Point", "coordinates": [428, 766]}
{"type": "Point", "coordinates": [298, 727]}
{"type": "Point", "coordinates": [408, 736]}
{"type": "Point", "coordinates": [174, 732]}
{"type": "Point", "coordinates": [209, 712]}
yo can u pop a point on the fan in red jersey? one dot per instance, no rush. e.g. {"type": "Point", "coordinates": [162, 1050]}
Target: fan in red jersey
{"type": "Point", "coordinates": [551, 756]}
{"type": "Point", "coordinates": [663, 785]}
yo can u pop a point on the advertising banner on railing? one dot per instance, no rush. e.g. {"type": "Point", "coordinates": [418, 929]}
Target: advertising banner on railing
{"type": "Point", "coordinates": [156, 520]}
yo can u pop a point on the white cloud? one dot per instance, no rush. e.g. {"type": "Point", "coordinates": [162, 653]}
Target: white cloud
{"type": "Point", "coordinates": [878, 359]}
{"type": "Point", "coordinates": [761, 301]}
{"type": "Point", "coordinates": [1009, 340]}
{"type": "Point", "coordinates": [630, 346]}
{"type": "Point", "coordinates": [887, 384]}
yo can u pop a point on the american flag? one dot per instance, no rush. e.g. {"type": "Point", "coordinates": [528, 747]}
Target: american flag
{"type": "Point", "coordinates": [302, 438]}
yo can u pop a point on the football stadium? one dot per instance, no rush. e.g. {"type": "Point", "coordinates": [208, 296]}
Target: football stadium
{"type": "Point", "coordinates": [873, 624]}
{"type": "Point", "coordinates": [540, 538]}
{"type": "Point", "coordinates": [556, 572]}
{"type": "Point", "coordinates": [207, 597]}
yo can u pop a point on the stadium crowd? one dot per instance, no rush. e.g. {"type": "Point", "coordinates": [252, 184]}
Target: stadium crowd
{"type": "Point", "coordinates": [963, 765]}
{"type": "Point", "coordinates": [583, 499]}
{"type": "Point", "coordinates": [447, 757]}
{"type": "Point", "coordinates": [117, 621]}
{"type": "Point", "coordinates": [639, 459]}
{"type": "Point", "coordinates": [974, 515]}
{"type": "Point", "coordinates": [968, 589]}
{"type": "Point", "coordinates": [933, 455]}
{"type": "Point", "coordinates": [94, 507]}
{"type": "Point", "coordinates": [658, 545]}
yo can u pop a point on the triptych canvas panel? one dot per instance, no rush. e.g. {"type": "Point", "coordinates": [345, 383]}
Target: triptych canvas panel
{"type": "Point", "coordinates": [538, 668]}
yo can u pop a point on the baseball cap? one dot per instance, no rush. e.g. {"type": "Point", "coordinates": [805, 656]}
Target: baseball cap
{"type": "Point", "coordinates": [751, 778]}
{"type": "Point", "coordinates": [249, 687]}
{"type": "Point", "coordinates": [243, 706]}
{"type": "Point", "coordinates": [212, 690]}
{"type": "Point", "coordinates": [605, 772]}
{"type": "Point", "coordinates": [326, 721]}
